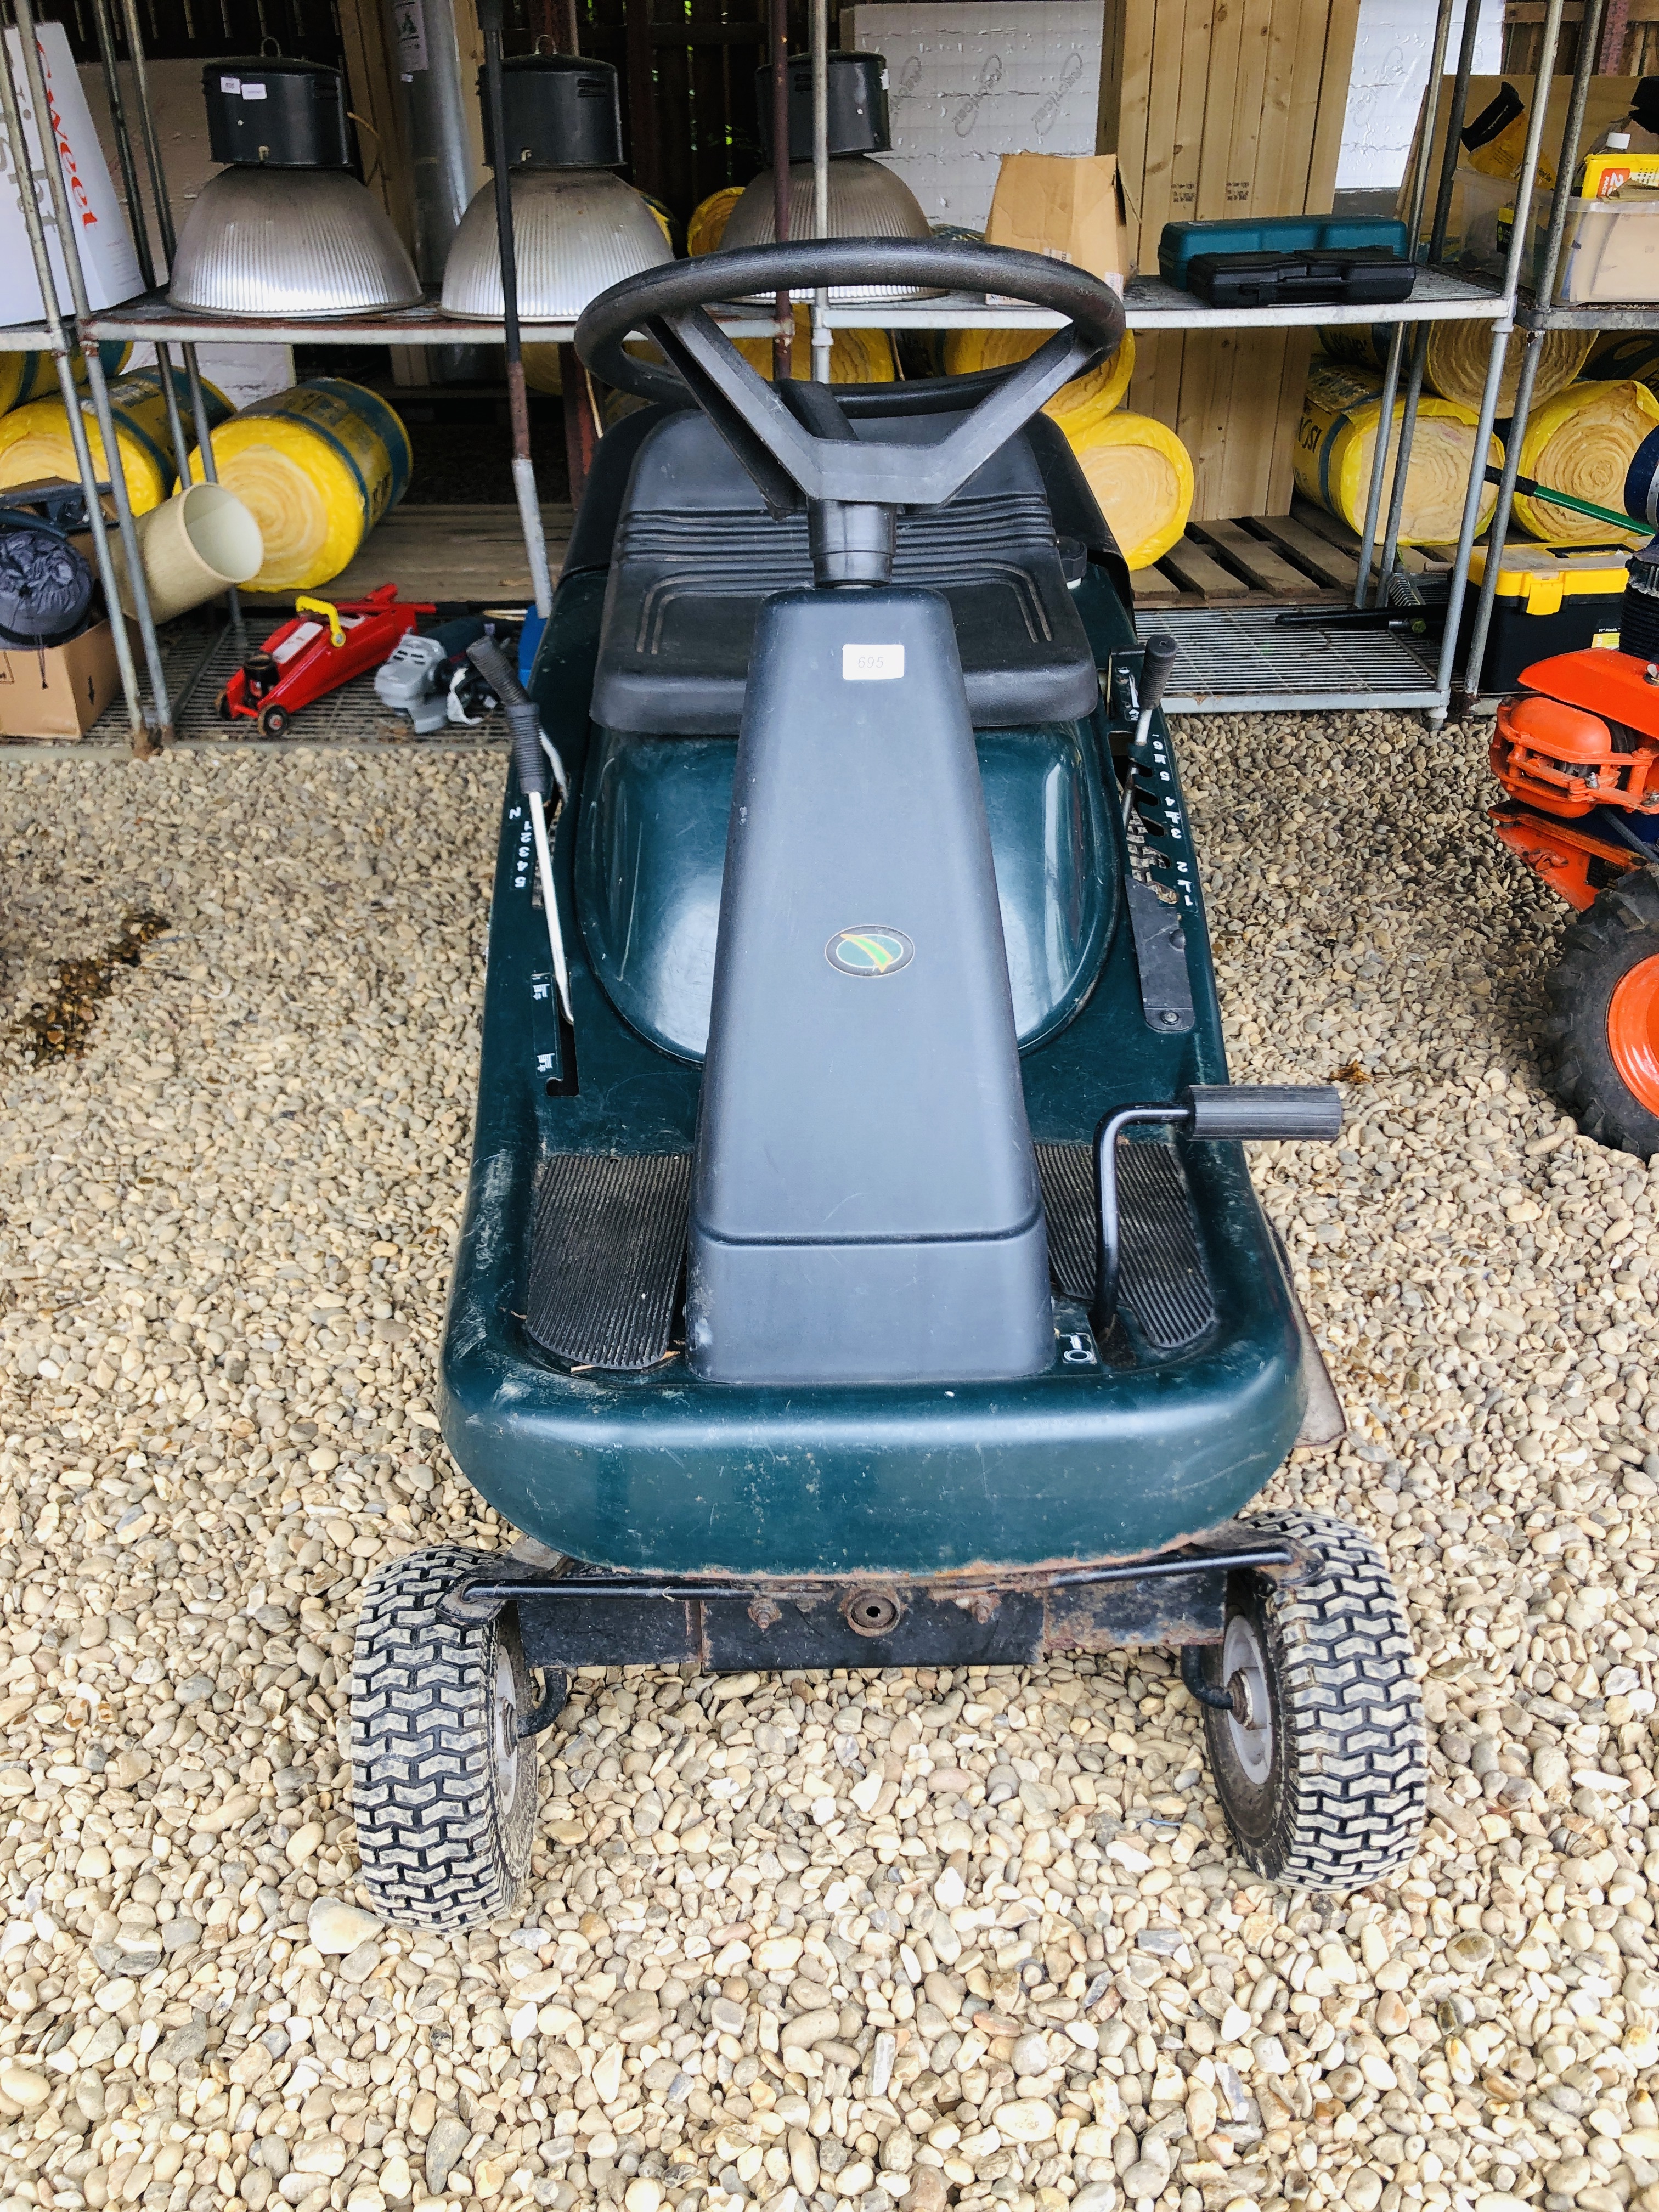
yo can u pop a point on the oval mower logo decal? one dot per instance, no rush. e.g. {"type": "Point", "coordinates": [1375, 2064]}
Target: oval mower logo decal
{"type": "Point", "coordinates": [873, 950]}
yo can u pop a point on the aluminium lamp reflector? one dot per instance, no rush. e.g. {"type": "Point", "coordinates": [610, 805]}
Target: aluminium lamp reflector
{"type": "Point", "coordinates": [577, 228]}
{"type": "Point", "coordinates": [865, 199]}
{"type": "Point", "coordinates": [285, 230]}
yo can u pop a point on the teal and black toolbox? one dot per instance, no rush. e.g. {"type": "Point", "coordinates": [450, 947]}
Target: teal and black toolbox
{"type": "Point", "coordinates": [1182, 242]}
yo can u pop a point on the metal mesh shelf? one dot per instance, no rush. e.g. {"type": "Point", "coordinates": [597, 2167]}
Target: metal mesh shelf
{"type": "Point", "coordinates": [1239, 661]}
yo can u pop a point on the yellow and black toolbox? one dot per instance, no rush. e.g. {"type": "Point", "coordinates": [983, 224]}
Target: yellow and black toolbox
{"type": "Point", "coordinates": [1549, 600]}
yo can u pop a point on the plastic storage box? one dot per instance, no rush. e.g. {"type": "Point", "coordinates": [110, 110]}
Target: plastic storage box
{"type": "Point", "coordinates": [1280, 234]}
{"type": "Point", "coordinates": [1548, 601]}
{"type": "Point", "coordinates": [1363, 278]}
{"type": "Point", "coordinates": [1609, 250]}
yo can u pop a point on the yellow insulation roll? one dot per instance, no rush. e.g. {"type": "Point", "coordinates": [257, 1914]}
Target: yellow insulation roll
{"type": "Point", "coordinates": [1582, 441]}
{"type": "Point", "coordinates": [318, 465]}
{"type": "Point", "coordinates": [1077, 405]}
{"type": "Point", "coordinates": [708, 219]}
{"type": "Point", "coordinates": [1454, 367]}
{"type": "Point", "coordinates": [26, 376]}
{"type": "Point", "coordinates": [36, 441]}
{"type": "Point", "coordinates": [542, 371]}
{"type": "Point", "coordinates": [1142, 476]}
{"type": "Point", "coordinates": [856, 356]}
{"type": "Point", "coordinates": [1338, 437]}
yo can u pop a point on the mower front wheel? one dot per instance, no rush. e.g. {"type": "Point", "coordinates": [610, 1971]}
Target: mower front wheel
{"type": "Point", "coordinates": [1320, 1761]}
{"type": "Point", "coordinates": [443, 1775]}
{"type": "Point", "coordinates": [1601, 1037]}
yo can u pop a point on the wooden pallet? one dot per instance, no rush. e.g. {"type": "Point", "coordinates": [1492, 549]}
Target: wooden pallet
{"type": "Point", "coordinates": [1306, 558]}
{"type": "Point", "coordinates": [473, 553]}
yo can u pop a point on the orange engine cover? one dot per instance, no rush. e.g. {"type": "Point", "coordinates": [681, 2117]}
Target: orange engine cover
{"type": "Point", "coordinates": [1577, 750]}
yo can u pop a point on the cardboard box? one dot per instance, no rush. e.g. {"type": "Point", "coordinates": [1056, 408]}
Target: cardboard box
{"type": "Point", "coordinates": [1067, 207]}
{"type": "Point", "coordinates": [59, 692]}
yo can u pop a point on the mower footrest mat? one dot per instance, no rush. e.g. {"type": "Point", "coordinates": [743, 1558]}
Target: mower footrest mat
{"type": "Point", "coordinates": [608, 1257]}
{"type": "Point", "coordinates": [1163, 1284]}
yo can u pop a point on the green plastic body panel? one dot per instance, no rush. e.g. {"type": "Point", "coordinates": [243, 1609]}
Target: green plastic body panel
{"type": "Point", "coordinates": [659, 1472]}
{"type": "Point", "coordinates": [652, 847]}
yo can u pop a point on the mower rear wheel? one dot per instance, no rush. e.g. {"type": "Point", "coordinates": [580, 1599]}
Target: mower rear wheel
{"type": "Point", "coordinates": [1320, 1765]}
{"type": "Point", "coordinates": [443, 1785]}
{"type": "Point", "coordinates": [1601, 1037]}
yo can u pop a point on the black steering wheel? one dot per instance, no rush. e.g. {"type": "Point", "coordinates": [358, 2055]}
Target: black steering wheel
{"type": "Point", "coordinates": [794, 439]}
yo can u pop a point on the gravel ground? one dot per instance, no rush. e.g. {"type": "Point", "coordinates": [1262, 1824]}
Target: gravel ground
{"type": "Point", "coordinates": [771, 1950]}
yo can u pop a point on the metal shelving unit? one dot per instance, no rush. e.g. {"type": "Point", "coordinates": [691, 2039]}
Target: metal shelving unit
{"type": "Point", "coordinates": [1537, 310]}
{"type": "Point", "coordinates": [1235, 659]}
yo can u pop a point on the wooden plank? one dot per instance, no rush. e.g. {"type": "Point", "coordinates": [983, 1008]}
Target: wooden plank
{"type": "Point", "coordinates": [1226, 35]}
{"type": "Point", "coordinates": [1187, 148]}
{"type": "Point", "coordinates": [1342, 26]}
{"type": "Point", "coordinates": [1163, 106]}
{"type": "Point", "coordinates": [1267, 569]}
{"type": "Point", "coordinates": [446, 553]}
{"type": "Point", "coordinates": [1248, 94]}
{"type": "Point", "coordinates": [1199, 571]}
{"type": "Point", "coordinates": [1154, 589]}
{"type": "Point", "coordinates": [1293, 382]}
{"type": "Point", "coordinates": [1328, 562]}
{"type": "Point", "coordinates": [1135, 147]}
{"type": "Point", "coordinates": [1306, 81]}
{"type": "Point", "coordinates": [1277, 190]}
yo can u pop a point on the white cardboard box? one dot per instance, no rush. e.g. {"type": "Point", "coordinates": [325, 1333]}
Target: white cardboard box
{"type": "Point", "coordinates": [107, 254]}
{"type": "Point", "coordinates": [966, 85]}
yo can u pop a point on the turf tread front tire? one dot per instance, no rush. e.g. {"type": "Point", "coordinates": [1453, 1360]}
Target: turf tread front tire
{"type": "Point", "coordinates": [444, 1833]}
{"type": "Point", "coordinates": [1599, 948]}
{"type": "Point", "coordinates": [1343, 1804]}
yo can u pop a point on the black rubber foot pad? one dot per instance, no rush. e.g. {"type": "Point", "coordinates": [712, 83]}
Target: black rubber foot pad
{"type": "Point", "coordinates": [1164, 1283]}
{"type": "Point", "coordinates": [608, 1257]}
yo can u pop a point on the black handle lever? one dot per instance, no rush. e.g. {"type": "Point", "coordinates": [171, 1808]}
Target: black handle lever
{"type": "Point", "coordinates": [1208, 1112]}
{"type": "Point", "coordinates": [1156, 659]}
{"type": "Point", "coordinates": [524, 724]}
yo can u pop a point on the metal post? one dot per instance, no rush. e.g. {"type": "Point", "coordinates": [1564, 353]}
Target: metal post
{"type": "Point", "coordinates": [777, 41]}
{"type": "Point", "coordinates": [61, 348]}
{"type": "Point", "coordinates": [147, 128]}
{"type": "Point", "coordinates": [518, 399]}
{"type": "Point", "coordinates": [1590, 34]}
{"type": "Point", "coordinates": [1460, 101]}
{"type": "Point", "coordinates": [1523, 190]}
{"type": "Point", "coordinates": [97, 388]}
{"type": "Point", "coordinates": [1379, 465]}
{"type": "Point", "coordinates": [824, 337]}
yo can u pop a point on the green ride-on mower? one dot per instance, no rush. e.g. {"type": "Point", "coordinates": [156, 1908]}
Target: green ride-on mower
{"type": "Point", "coordinates": [861, 1266]}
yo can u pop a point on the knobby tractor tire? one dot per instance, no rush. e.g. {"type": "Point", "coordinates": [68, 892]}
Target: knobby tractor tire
{"type": "Point", "coordinates": [1336, 1800]}
{"type": "Point", "coordinates": [1600, 947]}
{"type": "Point", "coordinates": [444, 1792]}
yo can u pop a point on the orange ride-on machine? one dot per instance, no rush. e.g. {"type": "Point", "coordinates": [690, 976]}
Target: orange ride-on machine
{"type": "Point", "coordinates": [1577, 753]}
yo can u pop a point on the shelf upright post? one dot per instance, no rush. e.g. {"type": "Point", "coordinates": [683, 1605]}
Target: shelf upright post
{"type": "Point", "coordinates": [109, 62]}
{"type": "Point", "coordinates": [158, 186]}
{"type": "Point", "coordinates": [1443, 198]}
{"type": "Point", "coordinates": [1589, 39]}
{"type": "Point", "coordinates": [61, 349]}
{"type": "Point", "coordinates": [824, 337]}
{"type": "Point", "coordinates": [1396, 345]}
{"type": "Point", "coordinates": [1500, 337]}
{"type": "Point", "coordinates": [518, 399]}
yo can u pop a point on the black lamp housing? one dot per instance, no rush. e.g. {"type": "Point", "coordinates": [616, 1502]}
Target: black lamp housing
{"type": "Point", "coordinates": [858, 106]}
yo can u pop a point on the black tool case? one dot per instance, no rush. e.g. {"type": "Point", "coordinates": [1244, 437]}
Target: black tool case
{"type": "Point", "coordinates": [1364, 277]}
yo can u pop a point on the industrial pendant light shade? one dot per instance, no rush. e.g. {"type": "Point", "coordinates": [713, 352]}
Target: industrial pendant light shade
{"type": "Point", "coordinates": [577, 228]}
{"type": "Point", "coordinates": [865, 199]}
{"type": "Point", "coordinates": [286, 230]}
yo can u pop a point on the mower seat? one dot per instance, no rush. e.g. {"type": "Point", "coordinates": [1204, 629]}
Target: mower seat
{"type": "Point", "coordinates": [695, 551]}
